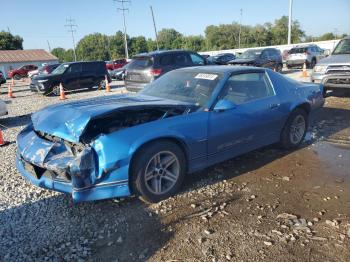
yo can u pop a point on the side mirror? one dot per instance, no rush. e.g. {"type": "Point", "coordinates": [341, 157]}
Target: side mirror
{"type": "Point", "coordinates": [223, 105]}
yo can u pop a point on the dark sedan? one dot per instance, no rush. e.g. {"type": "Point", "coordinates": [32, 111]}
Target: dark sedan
{"type": "Point", "coordinates": [268, 57]}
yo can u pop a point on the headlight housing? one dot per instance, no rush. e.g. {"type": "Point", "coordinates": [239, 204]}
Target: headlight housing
{"type": "Point", "coordinates": [43, 81]}
{"type": "Point", "coordinates": [320, 68]}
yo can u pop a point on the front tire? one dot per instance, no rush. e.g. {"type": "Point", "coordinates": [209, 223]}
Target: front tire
{"type": "Point", "coordinates": [295, 129]}
{"type": "Point", "coordinates": [158, 171]}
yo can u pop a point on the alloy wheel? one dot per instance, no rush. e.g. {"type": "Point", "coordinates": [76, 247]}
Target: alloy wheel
{"type": "Point", "coordinates": [297, 129]}
{"type": "Point", "coordinates": [162, 172]}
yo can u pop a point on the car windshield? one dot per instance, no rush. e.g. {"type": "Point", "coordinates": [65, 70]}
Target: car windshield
{"type": "Point", "coordinates": [298, 50]}
{"type": "Point", "coordinates": [60, 70]}
{"type": "Point", "coordinates": [140, 62]}
{"type": "Point", "coordinates": [251, 54]}
{"type": "Point", "coordinates": [193, 87]}
{"type": "Point", "coordinates": [343, 47]}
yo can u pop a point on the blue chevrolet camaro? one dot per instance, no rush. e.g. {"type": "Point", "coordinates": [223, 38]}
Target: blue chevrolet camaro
{"type": "Point", "coordinates": [145, 143]}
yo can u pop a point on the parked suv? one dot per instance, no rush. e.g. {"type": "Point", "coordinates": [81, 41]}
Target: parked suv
{"type": "Point", "coordinates": [334, 71]}
{"type": "Point", "coordinates": [221, 59]}
{"type": "Point", "coordinates": [73, 76]}
{"type": "Point", "coordinates": [2, 78]}
{"type": "Point", "coordinates": [308, 54]}
{"type": "Point", "coordinates": [267, 57]}
{"type": "Point", "coordinates": [21, 71]}
{"type": "Point", "coordinates": [145, 68]}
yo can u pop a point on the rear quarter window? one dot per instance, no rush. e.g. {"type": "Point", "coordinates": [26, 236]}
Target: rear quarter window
{"type": "Point", "coordinates": [140, 63]}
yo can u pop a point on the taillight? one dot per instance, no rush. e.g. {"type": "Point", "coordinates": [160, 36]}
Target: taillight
{"type": "Point", "coordinates": [155, 72]}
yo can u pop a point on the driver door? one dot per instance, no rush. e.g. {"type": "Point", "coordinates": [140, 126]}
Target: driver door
{"type": "Point", "coordinates": [72, 76]}
{"type": "Point", "coordinates": [252, 121]}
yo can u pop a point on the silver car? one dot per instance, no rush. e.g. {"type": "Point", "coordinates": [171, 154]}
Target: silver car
{"type": "Point", "coordinates": [334, 71]}
{"type": "Point", "coordinates": [308, 54]}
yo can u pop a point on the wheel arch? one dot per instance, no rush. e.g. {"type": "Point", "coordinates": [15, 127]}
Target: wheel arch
{"type": "Point", "coordinates": [176, 140]}
{"type": "Point", "coordinates": [304, 106]}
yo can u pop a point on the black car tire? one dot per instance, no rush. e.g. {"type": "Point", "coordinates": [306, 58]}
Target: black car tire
{"type": "Point", "coordinates": [102, 84]}
{"type": "Point", "coordinates": [54, 90]}
{"type": "Point", "coordinates": [144, 160]}
{"type": "Point", "coordinates": [17, 77]}
{"type": "Point", "coordinates": [286, 135]}
{"type": "Point", "coordinates": [312, 64]}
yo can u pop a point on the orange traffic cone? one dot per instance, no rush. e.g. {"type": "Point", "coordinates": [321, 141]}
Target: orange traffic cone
{"type": "Point", "coordinates": [9, 93]}
{"type": "Point", "coordinates": [62, 94]}
{"type": "Point", "coordinates": [2, 141]}
{"type": "Point", "coordinates": [13, 82]}
{"type": "Point", "coordinates": [304, 74]}
{"type": "Point", "coordinates": [108, 87]}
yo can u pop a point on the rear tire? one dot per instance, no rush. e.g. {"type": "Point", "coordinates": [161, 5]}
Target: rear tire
{"type": "Point", "coordinates": [102, 85]}
{"type": "Point", "coordinates": [17, 77]}
{"type": "Point", "coordinates": [158, 171]}
{"type": "Point", "coordinates": [295, 129]}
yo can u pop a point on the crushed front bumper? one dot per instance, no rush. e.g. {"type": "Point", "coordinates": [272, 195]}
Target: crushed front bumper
{"type": "Point", "coordinates": [52, 165]}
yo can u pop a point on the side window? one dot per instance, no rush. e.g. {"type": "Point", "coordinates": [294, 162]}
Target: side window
{"type": "Point", "coordinates": [244, 88]}
{"type": "Point", "coordinates": [75, 68]}
{"type": "Point", "coordinates": [197, 60]}
{"type": "Point", "coordinates": [166, 60]}
{"type": "Point", "coordinates": [265, 55]}
{"type": "Point", "coordinates": [181, 59]}
{"type": "Point", "coordinates": [90, 67]}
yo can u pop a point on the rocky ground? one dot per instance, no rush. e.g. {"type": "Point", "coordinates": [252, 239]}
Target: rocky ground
{"type": "Point", "coordinates": [268, 205]}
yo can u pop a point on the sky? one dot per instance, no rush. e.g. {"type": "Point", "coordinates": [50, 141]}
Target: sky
{"type": "Point", "coordinates": [42, 21]}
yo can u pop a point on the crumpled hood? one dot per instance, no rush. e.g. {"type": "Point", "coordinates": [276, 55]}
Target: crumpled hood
{"type": "Point", "coordinates": [68, 120]}
{"type": "Point", "coordinates": [242, 61]}
{"type": "Point", "coordinates": [335, 59]}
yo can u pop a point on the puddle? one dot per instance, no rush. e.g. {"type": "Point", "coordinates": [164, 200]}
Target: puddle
{"type": "Point", "coordinates": [336, 157]}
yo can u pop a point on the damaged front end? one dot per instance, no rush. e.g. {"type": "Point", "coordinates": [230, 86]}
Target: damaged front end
{"type": "Point", "coordinates": [87, 150]}
{"type": "Point", "coordinates": [53, 163]}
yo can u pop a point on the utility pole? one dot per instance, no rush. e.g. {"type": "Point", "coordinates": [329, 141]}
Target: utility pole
{"type": "Point", "coordinates": [123, 9]}
{"type": "Point", "coordinates": [155, 28]}
{"type": "Point", "coordinates": [71, 28]}
{"type": "Point", "coordinates": [48, 44]}
{"type": "Point", "coordinates": [240, 28]}
{"type": "Point", "coordinates": [290, 22]}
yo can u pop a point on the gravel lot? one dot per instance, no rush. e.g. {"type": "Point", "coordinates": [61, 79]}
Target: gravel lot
{"type": "Point", "coordinates": [268, 205]}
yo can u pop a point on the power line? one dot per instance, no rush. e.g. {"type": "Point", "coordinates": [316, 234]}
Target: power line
{"type": "Point", "coordinates": [123, 9]}
{"type": "Point", "coordinates": [71, 28]}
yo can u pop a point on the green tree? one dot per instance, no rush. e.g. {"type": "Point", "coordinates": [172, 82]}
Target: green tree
{"type": "Point", "coordinates": [138, 45]}
{"type": "Point", "coordinates": [59, 52]}
{"type": "Point", "coordinates": [223, 36]}
{"type": "Point", "coordinates": [69, 55]}
{"type": "Point", "coordinates": [170, 39]}
{"type": "Point", "coordinates": [151, 45]}
{"type": "Point", "coordinates": [10, 42]}
{"type": "Point", "coordinates": [280, 31]}
{"type": "Point", "coordinates": [116, 44]}
{"type": "Point", "coordinates": [194, 43]}
{"type": "Point", "coordinates": [93, 47]}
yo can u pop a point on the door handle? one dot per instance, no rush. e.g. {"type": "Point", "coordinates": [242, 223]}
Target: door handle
{"type": "Point", "coordinates": [272, 106]}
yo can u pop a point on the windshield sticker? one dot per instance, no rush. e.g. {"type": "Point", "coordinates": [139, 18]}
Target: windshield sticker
{"type": "Point", "coordinates": [206, 76]}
